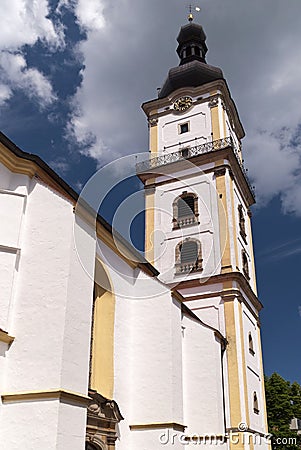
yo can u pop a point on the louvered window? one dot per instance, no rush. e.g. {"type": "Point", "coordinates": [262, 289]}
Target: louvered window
{"type": "Point", "coordinates": [189, 252]}
{"type": "Point", "coordinates": [188, 256]}
{"type": "Point", "coordinates": [185, 206]}
{"type": "Point", "coordinates": [185, 210]}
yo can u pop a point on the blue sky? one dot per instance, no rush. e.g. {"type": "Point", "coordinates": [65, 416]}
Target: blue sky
{"type": "Point", "coordinates": [73, 75]}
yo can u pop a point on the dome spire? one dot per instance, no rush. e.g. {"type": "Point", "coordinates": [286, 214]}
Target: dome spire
{"type": "Point", "coordinates": [193, 69]}
{"type": "Point", "coordinates": [191, 8]}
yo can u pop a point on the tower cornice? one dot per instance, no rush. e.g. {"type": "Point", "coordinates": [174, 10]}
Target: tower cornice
{"type": "Point", "coordinates": [160, 107]}
{"type": "Point", "coordinates": [239, 286]}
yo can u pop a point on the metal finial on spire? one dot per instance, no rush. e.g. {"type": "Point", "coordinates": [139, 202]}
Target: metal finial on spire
{"type": "Point", "coordinates": [190, 15]}
{"type": "Point", "coordinates": [192, 8]}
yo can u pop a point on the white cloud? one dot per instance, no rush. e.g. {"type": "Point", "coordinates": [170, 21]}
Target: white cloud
{"type": "Point", "coordinates": [83, 126]}
{"type": "Point", "coordinates": [26, 22]}
{"type": "Point", "coordinates": [90, 14]}
{"type": "Point", "coordinates": [17, 75]}
{"type": "Point", "coordinates": [5, 93]}
{"type": "Point", "coordinates": [299, 311]}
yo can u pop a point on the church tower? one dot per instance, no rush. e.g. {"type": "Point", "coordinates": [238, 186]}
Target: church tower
{"type": "Point", "coordinates": [198, 223]}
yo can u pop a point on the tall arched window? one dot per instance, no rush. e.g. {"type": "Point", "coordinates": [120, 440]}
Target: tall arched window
{"type": "Point", "coordinates": [91, 446]}
{"type": "Point", "coordinates": [241, 217]}
{"type": "Point", "coordinates": [188, 256]}
{"type": "Point", "coordinates": [255, 403]}
{"type": "Point", "coordinates": [251, 345]}
{"type": "Point", "coordinates": [185, 209]}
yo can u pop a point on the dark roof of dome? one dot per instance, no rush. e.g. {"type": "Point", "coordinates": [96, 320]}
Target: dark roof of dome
{"type": "Point", "coordinates": [191, 74]}
{"type": "Point", "coordinates": [191, 31]}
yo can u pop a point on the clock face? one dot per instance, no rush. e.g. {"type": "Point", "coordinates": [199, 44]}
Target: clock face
{"type": "Point", "coordinates": [182, 103]}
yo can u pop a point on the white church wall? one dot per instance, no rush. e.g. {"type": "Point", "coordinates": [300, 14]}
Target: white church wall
{"type": "Point", "coordinates": [207, 310]}
{"type": "Point", "coordinates": [12, 207]}
{"type": "Point", "coordinates": [147, 353]}
{"type": "Point", "coordinates": [71, 430]}
{"type": "Point", "coordinates": [39, 312]}
{"type": "Point", "coordinates": [8, 263]}
{"type": "Point", "coordinates": [158, 439]}
{"type": "Point", "coordinates": [78, 312]}
{"type": "Point", "coordinates": [202, 376]}
{"type": "Point", "coordinates": [46, 424]}
{"type": "Point", "coordinates": [154, 376]}
{"type": "Point", "coordinates": [123, 279]}
{"type": "Point", "coordinates": [5, 175]}
{"type": "Point", "coordinates": [32, 425]}
{"type": "Point", "coordinates": [51, 322]}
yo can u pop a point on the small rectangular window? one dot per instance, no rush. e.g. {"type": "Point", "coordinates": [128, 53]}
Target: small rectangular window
{"type": "Point", "coordinates": [184, 128]}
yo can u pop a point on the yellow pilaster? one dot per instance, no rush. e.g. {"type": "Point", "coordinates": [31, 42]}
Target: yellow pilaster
{"type": "Point", "coordinates": [225, 123]}
{"type": "Point", "coordinates": [220, 176]}
{"type": "Point", "coordinates": [215, 123]}
{"type": "Point", "coordinates": [232, 323]}
{"type": "Point", "coordinates": [232, 362]}
{"type": "Point", "coordinates": [102, 370]}
{"type": "Point", "coordinates": [153, 135]}
{"type": "Point", "coordinates": [149, 223]}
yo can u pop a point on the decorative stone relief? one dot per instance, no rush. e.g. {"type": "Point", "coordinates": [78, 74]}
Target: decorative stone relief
{"type": "Point", "coordinates": [152, 121]}
{"type": "Point", "coordinates": [213, 102]}
{"type": "Point", "coordinates": [220, 172]}
{"type": "Point", "coordinates": [102, 418]}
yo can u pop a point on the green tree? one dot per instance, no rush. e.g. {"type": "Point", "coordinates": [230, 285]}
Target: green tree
{"type": "Point", "coordinates": [283, 401]}
{"type": "Point", "coordinates": [296, 399]}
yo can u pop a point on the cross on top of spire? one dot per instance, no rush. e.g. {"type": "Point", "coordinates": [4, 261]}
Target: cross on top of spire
{"type": "Point", "coordinates": [192, 8]}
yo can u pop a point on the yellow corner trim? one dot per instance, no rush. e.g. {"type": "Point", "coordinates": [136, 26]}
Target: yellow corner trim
{"type": "Point", "coordinates": [54, 394]}
{"type": "Point", "coordinates": [144, 426]}
{"type": "Point", "coordinates": [5, 337]}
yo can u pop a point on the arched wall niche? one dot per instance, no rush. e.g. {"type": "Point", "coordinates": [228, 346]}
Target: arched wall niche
{"type": "Point", "coordinates": [95, 446]}
{"type": "Point", "coordinates": [102, 342]}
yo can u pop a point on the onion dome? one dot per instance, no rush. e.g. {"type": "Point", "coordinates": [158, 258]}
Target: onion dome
{"type": "Point", "coordinates": [193, 70]}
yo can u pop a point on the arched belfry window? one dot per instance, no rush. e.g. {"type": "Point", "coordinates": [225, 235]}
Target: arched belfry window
{"type": "Point", "coordinates": [185, 210]}
{"type": "Point", "coordinates": [251, 345]}
{"type": "Point", "coordinates": [255, 403]}
{"type": "Point", "coordinates": [91, 446]}
{"type": "Point", "coordinates": [188, 256]}
{"type": "Point", "coordinates": [197, 51]}
{"type": "Point", "coordinates": [188, 51]}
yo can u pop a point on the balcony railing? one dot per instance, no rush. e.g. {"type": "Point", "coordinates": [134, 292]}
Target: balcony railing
{"type": "Point", "coordinates": [187, 267]}
{"type": "Point", "coordinates": [185, 221]}
{"type": "Point", "coordinates": [190, 152]}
